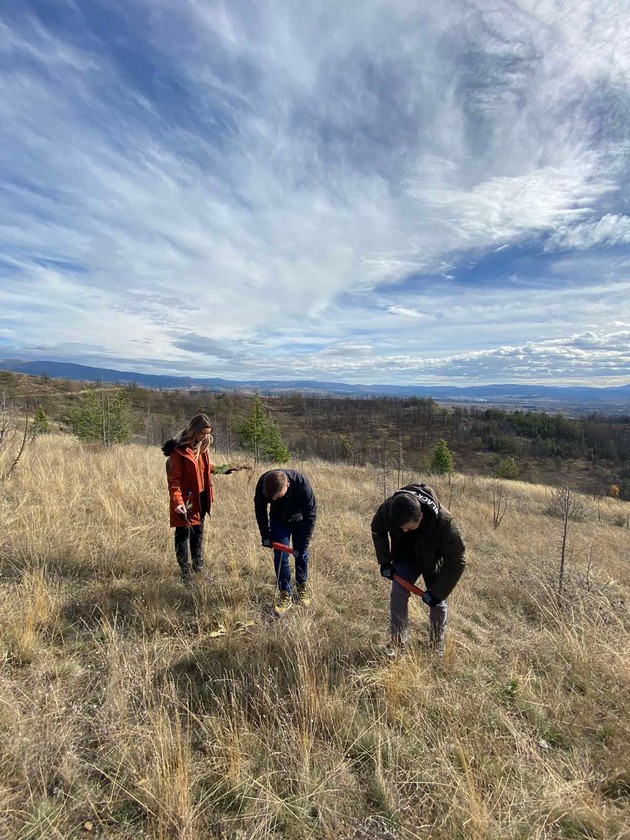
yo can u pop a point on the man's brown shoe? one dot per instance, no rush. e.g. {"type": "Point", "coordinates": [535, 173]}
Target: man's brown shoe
{"type": "Point", "coordinates": [283, 604]}
{"type": "Point", "coordinates": [303, 594]}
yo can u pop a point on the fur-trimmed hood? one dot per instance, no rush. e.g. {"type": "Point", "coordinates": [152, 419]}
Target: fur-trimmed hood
{"type": "Point", "coordinates": [168, 447]}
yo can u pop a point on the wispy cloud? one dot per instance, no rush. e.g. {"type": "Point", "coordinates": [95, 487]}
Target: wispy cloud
{"type": "Point", "coordinates": [560, 361]}
{"type": "Point", "coordinates": [222, 187]}
{"type": "Point", "coordinates": [611, 229]}
{"type": "Point", "coordinates": [406, 312]}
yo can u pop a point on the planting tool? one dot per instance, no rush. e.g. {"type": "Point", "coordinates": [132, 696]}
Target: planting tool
{"type": "Point", "coordinates": [408, 586]}
{"type": "Point", "coordinates": [285, 549]}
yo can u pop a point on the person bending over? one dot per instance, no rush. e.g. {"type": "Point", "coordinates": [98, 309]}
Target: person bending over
{"type": "Point", "coordinates": [413, 535]}
{"type": "Point", "coordinates": [286, 511]}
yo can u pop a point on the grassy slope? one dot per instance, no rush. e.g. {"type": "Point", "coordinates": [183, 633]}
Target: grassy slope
{"type": "Point", "coordinates": [120, 708]}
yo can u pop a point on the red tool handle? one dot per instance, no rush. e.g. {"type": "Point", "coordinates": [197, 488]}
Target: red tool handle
{"type": "Point", "coordinates": [285, 549]}
{"type": "Point", "coordinates": [408, 586]}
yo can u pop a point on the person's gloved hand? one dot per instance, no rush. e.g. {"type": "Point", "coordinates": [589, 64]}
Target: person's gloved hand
{"type": "Point", "coordinates": [430, 600]}
{"type": "Point", "coordinates": [266, 541]}
{"type": "Point", "coordinates": [388, 570]}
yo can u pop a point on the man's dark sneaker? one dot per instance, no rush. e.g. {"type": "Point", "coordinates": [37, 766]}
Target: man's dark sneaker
{"type": "Point", "coordinates": [187, 578]}
{"type": "Point", "coordinates": [303, 594]}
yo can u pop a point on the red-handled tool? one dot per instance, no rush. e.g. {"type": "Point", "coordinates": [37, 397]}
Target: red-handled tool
{"type": "Point", "coordinates": [408, 586]}
{"type": "Point", "coordinates": [285, 549]}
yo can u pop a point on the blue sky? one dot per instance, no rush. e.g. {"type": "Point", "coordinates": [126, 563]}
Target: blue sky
{"type": "Point", "coordinates": [376, 191]}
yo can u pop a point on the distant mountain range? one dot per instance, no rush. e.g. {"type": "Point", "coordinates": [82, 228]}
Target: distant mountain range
{"type": "Point", "coordinates": [549, 397]}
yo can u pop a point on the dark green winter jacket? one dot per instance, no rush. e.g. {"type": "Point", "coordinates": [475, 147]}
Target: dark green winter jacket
{"type": "Point", "coordinates": [436, 546]}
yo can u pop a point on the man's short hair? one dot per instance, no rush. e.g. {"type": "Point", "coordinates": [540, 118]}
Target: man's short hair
{"type": "Point", "coordinates": [274, 482]}
{"type": "Point", "coordinates": [403, 509]}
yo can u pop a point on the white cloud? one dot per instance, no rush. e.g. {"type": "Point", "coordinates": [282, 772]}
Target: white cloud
{"type": "Point", "coordinates": [611, 229]}
{"type": "Point", "coordinates": [505, 208]}
{"type": "Point", "coordinates": [245, 178]}
{"type": "Point", "coordinates": [406, 312]}
{"type": "Point", "coordinates": [566, 359]}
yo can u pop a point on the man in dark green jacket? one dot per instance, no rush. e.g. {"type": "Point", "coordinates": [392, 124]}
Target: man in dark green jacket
{"type": "Point", "coordinates": [414, 536]}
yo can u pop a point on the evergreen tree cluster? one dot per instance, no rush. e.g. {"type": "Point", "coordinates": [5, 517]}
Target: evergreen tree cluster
{"type": "Point", "coordinates": [259, 435]}
{"type": "Point", "coordinates": [102, 417]}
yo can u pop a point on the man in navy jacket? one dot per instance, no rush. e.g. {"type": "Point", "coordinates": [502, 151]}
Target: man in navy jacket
{"type": "Point", "coordinates": [286, 511]}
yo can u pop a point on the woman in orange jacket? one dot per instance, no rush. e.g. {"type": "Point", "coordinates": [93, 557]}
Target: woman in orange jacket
{"type": "Point", "coordinates": [189, 472]}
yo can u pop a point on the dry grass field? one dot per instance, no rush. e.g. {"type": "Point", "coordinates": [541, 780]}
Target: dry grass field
{"type": "Point", "coordinates": [131, 707]}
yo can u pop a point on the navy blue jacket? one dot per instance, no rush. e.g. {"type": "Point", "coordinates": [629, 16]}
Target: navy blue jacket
{"type": "Point", "coordinates": [296, 508]}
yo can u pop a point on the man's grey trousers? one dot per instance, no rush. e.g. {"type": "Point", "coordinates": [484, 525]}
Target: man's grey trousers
{"type": "Point", "coordinates": [399, 606]}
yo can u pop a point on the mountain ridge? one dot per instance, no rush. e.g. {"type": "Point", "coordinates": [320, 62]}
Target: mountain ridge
{"type": "Point", "coordinates": [510, 392]}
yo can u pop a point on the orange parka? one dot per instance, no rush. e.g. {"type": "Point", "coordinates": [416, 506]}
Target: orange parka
{"type": "Point", "coordinates": [184, 487]}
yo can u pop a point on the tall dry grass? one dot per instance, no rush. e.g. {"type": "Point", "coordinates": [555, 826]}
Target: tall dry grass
{"type": "Point", "coordinates": [131, 707]}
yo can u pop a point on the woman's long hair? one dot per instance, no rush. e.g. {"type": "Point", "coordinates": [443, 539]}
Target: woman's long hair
{"type": "Point", "coordinates": [186, 436]}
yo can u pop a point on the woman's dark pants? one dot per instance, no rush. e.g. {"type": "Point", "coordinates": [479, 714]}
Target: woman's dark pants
{"type": "Point", "coordinates": [192, 534]}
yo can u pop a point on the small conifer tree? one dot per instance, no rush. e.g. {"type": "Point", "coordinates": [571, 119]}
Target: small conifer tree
{"type": "Point", "coordinates": [41, 426]}
{"type": "Point", "coordinates": [260, 436]}
{"type": "Point", "coordinates": [507, 468]}
{"type": "Point", "coordinates": [442, 459]}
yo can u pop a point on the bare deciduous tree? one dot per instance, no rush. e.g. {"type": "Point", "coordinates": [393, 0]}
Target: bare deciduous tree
{"type": "Point", "coordinates": [10, 432]}
{"type": "Point", "coordinates": [567, 505]}
{"type": "Point", "coordinates": [499, 504]}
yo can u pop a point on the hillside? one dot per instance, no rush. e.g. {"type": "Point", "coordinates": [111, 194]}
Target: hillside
{"type": "Point", "coordinates": [132, 707]}
{"type": "Point", "coordinates": [590, 452]}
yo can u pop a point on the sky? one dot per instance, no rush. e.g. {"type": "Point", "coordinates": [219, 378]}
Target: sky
{"type": "Point", "coordinates": [366, 191]}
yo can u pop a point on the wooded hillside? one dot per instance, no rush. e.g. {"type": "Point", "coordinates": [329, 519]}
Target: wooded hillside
{"type": "Point", "coordinates": [396, 435]}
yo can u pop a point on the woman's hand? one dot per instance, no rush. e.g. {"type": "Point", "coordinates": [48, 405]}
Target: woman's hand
{"type": "Point", "coordinates": [180, 510]}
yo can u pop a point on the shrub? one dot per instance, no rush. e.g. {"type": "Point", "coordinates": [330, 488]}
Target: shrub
{"type": "Point", "coordinates": [565, 503]}
{"type": "Point", "coordinates": [507, 468]}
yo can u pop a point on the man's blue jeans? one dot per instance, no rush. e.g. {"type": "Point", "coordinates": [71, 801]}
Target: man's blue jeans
{"type": "Point", "coordinates": [284, 533]}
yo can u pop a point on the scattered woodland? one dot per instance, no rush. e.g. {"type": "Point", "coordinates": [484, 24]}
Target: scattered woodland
{"type": "Point", "coordinates": [132, 707]}
{"type": "Point", "coordinates": [591, 453]}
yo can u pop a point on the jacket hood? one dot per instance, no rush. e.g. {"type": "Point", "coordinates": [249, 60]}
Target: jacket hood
{"type": "Point", "coordinates": [168, 447]}
{"type": "Point", "coordinates": [426, 496]}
